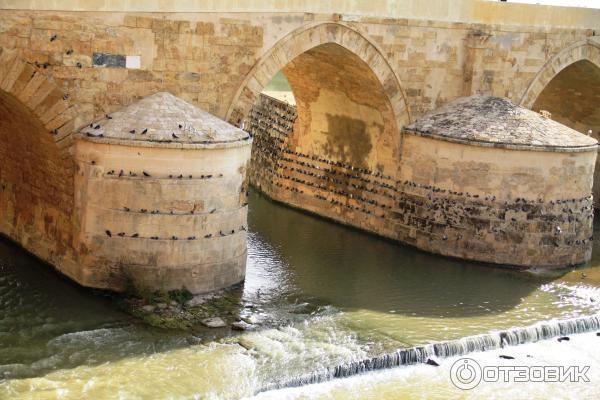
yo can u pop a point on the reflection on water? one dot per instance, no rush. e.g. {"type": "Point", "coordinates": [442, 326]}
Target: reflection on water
{"type": "Point", "coordinates": [326, 295]}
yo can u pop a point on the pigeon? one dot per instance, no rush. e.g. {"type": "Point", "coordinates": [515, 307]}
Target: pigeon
{"type": "Point", "coordinates": [132, 131]}
{"type": "Point", "coordinates": [208, 236]}
{"type": "Point", "coordinates": [53, 38]}
{"type": "Point", "coordinates": [135, 235]}
{"type": "Point", "coordinates": [174, 135]}
{"type": "Point", "coordinates": [121, 234]}
{"type": "Point", "coordinates": [564, 338]}
{"type": "Point", "coordinates": [108, 233]}
{"type": "Point", "coordinates": [144, 131]}
{"type": "Point", "coordinates": [108, 116]}
{"type": "Point", "coordinates": [69, 52]}
{"type": "Point", "coordinates": [507, 357]}
{"type": "Point", "coordinates": [145, 173]}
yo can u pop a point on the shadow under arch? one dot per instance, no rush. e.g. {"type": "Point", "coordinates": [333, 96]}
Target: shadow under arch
{"type": "Point", "coordinates": [347, 122]}
{"type": "Point", "coordinates": [37, 120]}
{"type": "Point", "coordinates": [306, 38]}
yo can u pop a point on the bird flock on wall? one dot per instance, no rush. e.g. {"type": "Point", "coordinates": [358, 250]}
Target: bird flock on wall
{"type": "Point", "coordinates": [143, 175]}
{"type": "Point", "coordinates": [440, 213]}
{"type": "Point", "coordinates": [221, 233]}
{"type": "Point", "coordinates": [121, 174]}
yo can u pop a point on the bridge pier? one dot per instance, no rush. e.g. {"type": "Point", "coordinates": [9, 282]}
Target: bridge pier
{"type": "Point", "coordinates": [480, 179]}
{"type": "Point", "coordinates": [161, 199]}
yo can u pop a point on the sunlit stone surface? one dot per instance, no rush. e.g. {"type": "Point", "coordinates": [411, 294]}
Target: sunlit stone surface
{"type": "Point", "coordinates": [161, 199]}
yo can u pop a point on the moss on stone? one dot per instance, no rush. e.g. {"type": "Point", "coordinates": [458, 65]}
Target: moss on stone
{"type": "Point", "coordinates": [169, 310]}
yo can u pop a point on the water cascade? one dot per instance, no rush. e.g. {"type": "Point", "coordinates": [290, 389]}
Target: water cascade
{"type": "Point", "coordinates": [451, 348]}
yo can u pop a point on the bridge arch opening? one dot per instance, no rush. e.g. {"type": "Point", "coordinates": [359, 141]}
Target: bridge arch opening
{"type": "Point", "coordinates": [36, 169]}
{"type": "Point", "coordinates": [36, 183]}
{"type": "Point", "coordinates": [331, 145]}
{"type": "Point", "coordinates": [343, 114]}
{"type": "Point", "coordinates": [304, 39]}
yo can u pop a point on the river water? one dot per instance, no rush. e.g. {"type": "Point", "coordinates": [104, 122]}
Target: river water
{"type": "Point", "coordinates": [322, 296]}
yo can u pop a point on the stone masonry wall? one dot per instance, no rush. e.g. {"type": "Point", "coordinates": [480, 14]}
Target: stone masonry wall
{"type": "Point", "coordinates": [173, 219]}
{"type": "Point", "coordinates": [461, 201]}
{"type": "Point", "coordinates": [204, 57]}
{"type": "Point", "coordinates": [36, 185]}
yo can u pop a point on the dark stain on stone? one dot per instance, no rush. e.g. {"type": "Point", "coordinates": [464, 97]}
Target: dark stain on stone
{"type": "Point", "coordinates": [347, 140]}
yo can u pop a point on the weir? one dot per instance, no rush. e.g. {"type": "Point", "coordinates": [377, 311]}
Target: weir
{"type": "Point", "coordinates": [463, 346]}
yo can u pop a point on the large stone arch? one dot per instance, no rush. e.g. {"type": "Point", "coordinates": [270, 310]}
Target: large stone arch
{"type": "Point", "coordinates": [305, 39]}
{"type": "Point", "coordinates": [37, 121]}
{"type": "Point", "coordinates": [582, 50]}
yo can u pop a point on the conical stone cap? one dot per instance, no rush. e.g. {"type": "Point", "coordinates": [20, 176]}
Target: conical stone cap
{"type": "Point", "coordinates": [163, 119]}
{"type": "Point", "coordinates": [497, 122]}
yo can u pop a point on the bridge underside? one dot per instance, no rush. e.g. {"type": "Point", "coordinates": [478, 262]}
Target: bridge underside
{"type": "Point", "coordinates": [343, 113]}
{"type": "Point", "coordinates": [36, 184]}
{"type": "Point", "coordinates": [342, 133]}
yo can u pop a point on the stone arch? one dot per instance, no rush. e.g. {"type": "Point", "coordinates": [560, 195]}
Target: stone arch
{"type": "Point", "coordinates": [28, 84]}
{"type": "Point", "coordinates": [305, 39]}
{"type": "Point", "coordinates": [37, 121]}
{"type": "Point", "coordinates": [582, 50]}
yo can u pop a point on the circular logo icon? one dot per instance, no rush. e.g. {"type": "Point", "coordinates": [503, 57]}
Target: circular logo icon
{"type": "Point", "coordinates": [465, 373]}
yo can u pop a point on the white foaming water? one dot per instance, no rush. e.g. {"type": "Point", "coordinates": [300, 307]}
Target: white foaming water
{"type": "Point", "coordinates": [424, 381]}
{"type": "Point", "coordinates": [446, 349]}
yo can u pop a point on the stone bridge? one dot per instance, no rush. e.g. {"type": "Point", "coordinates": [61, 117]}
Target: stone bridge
{"type": "Point", "coordinates": [359, 71]}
